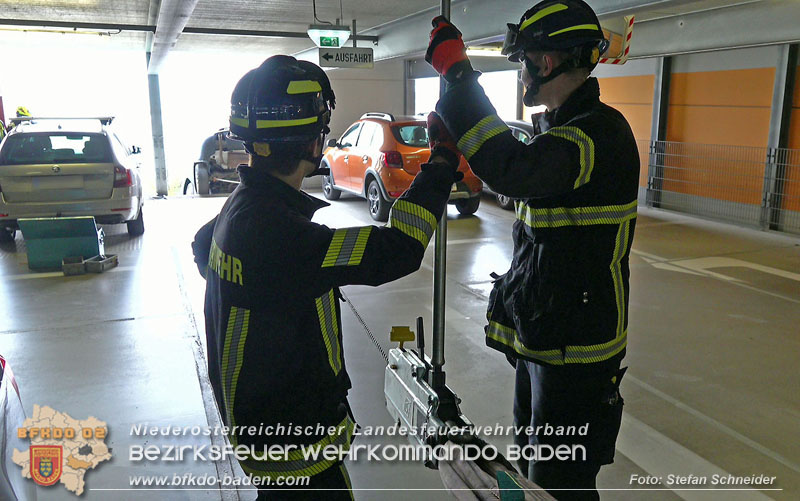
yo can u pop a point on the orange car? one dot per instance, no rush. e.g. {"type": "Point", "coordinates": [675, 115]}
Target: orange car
{"type": "Point", "coordinates": [378, 157]}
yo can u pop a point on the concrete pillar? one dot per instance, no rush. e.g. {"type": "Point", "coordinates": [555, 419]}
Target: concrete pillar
{"type": "Point", "coordinates": [778, 140]}
{"type": "Point", "coordinates": [658, 130]}
{"type": "Point", "coordinates": [158, 133]}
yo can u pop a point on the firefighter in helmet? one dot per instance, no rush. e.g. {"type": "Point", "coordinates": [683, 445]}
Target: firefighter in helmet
{"type": "Point", "coordinates": [560, 313]}
{"type": "Point", "coordinates": [273, 320]}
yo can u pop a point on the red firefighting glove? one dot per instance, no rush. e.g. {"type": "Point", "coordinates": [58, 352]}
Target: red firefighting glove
{"type": "Point", "coordinates": [442, 144]}
{"type": "Point", "coordinates": [446, 51]}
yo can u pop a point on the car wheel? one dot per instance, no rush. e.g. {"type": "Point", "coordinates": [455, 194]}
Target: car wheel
{"type": "Point", "coordinates": [201, 177]}
{"type": "Point", "coordinates": [328, 189]}
{"type": "Point", "coordinates": [188, 187]}
{"type": "Point", "coordinates": [378, 206]}
{"type": "Point", "coordinates": [136, 226]}
{"type": "Point", "coordinates": [7, 235]}
{"type": "Point", "coordinates": [468, 205]}
{"type": "Point", "coordinates": [505, 202]}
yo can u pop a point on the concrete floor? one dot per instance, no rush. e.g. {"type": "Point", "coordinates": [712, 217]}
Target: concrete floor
{"type": "Point", "coordinates": [713, 385]}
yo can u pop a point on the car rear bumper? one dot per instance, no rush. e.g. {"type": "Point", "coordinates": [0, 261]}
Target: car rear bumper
{"type": "Point", "coordinates": [121, 207]}
{"type": "Point", "coordinates": [399, 181]}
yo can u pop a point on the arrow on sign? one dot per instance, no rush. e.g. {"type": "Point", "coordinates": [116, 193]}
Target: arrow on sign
{"type": "Point", "coordinates": [327, 57]}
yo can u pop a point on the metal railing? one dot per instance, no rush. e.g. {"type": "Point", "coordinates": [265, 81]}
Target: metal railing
{"type": "Point", "coordinates": [754, 186]}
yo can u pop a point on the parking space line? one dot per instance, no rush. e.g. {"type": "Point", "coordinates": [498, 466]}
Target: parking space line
{"type": "Point", "coordinates": [661, 457]}
{"type": "Point", "coordinates": [716, 424]}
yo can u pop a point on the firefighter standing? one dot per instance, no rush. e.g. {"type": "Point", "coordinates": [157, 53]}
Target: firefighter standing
{"type": "Point", "coordinates": [273, 321]}
{"type": "Point", "coordinates": [560, 313]}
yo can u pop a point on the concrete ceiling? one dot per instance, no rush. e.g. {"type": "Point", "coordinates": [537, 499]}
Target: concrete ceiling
{"type": "Point", "coordinates": [128, 22]}
{"type": "Point", "coordinates": [663, 26]}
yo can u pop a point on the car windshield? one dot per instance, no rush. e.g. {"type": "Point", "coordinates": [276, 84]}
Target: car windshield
{"type": "Point", "coordinates": [411, 135]}
{"type": "Point", "coordinates": [47, 148]}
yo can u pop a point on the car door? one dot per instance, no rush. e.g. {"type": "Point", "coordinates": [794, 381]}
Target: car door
{"type": "Point", "coordinates": [362, 156]}
{"type": "Point", "coordinates": [340, 157]}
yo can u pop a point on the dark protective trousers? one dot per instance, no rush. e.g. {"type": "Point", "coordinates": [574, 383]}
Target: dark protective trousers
{"type": "Point", "coordinates": [547, 398]}
{"type": "Point", "coordinates": [332, 484]}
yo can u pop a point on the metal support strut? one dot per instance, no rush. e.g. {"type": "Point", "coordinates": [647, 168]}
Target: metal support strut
{"type": "Point", "coordinates": [439, 272]}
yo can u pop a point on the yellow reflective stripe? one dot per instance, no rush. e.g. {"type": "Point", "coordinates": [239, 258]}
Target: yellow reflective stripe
{"type": "Point", "coordinates": [542, 13]}
{"type": "Point", "coordinates": [586, 147]}
{"type": "Point", "coordinates": [509, 337]}
{"type": "Point", "coordinates": [269, 124]}
{"type": "Point", "coordinates": [558, 217]}
{"type": "Point", "coordinates": [597, 352]}
{"type": "Point", "coordinates": [232, 359]}
{"type": "Point", "coordinates": [228, 410]}
{"type": "Point", "coordinates": [473, 139]}
{"type": "Point", "coordinates": [571, 355]}
{"type": "Point", "coordinates": [413, 220]}
{"type": "Point", "coordinates": [620, 249]}
{"type": "Point", "coordinates": [296, 464]}
{"type": "Point", "coordinates": [574, 28]}
{"type": "Point", "coordinates": [329, 327]}
{"type": "Point", "coordinates": [347, 247]}
{"type": "Point", "coordinates": [303, 87]}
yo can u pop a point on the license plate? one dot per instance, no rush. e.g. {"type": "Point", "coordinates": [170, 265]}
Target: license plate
{"type": "Point", "coordinates": [57, 182]}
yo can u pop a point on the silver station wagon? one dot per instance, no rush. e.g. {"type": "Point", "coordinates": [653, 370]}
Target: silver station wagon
{"type": "Point", "coordinates": [60, 167]}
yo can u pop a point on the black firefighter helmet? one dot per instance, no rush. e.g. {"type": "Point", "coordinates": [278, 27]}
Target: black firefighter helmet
{"type": "Point", "coordinates": [283, 100]}
{"type": "Point", "coordinates": [568, 26]}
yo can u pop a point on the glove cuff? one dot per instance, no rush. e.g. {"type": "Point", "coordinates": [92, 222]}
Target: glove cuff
{"type": "Point", "coordinates": [448, 155]}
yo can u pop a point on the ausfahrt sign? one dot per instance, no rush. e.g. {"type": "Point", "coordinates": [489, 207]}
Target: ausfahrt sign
{"type": "Point", "coordinates": [346, 57]}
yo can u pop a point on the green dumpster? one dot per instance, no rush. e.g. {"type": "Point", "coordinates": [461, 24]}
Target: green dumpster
{"type": "Point", "coordinates": [50, 239]}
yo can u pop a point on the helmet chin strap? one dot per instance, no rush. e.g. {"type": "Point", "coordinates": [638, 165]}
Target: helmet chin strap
{"type": "Point", "coordinates": [537, 81]}
{"type": "Point", "coordinates": [317, 160]}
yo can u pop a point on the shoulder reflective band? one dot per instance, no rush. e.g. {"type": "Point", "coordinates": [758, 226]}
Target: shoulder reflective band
{"type": "Point", "coordinates": [558, 217]}
{"type": "Point", "coordinates": [329, 326]}
{"type": "Point", "coordinates": [572, 354]}
{"type": "Point", "coordinates": [542, 13]}
{"type": "Point", "coordinates": [586, 147]}
{"type": "Point", "coordinates": [305, 460]}
{"type": "Point", "coordinates": [347, 247]}
{"type": "Point", "coordinates": [413, 220]}
{"type": "Point", "coordinates": [232, 358]}
{"type": "Point", "coordinates": [271, 124]}
{"type": "Point", "coordinates": [473, 139]}
{"type": "Point", "coordinates": [592, 27]}
{"type": "Point", "coordinates": [303, 87]}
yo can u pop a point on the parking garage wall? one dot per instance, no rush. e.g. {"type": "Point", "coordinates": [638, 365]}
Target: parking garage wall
{"type": "Point", "coordinates": [629, 89]}
{"type": "Point", "coordinates": [359, 91]}
{"type": "Point", "coordinates": [718, 122]}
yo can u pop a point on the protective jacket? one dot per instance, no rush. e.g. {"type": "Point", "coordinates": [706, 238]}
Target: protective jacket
{"type": "Point", "coordinates": [564, 300]}
{"type": "Point", "coordinates": [273, 321]}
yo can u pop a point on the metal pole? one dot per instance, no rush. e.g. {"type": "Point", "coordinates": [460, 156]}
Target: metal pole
{"type": "Point", "coordinates": [354, 33]}
{"type": "Point", "coordinates": [440, 265]}
{"type": "Point", "coordinates": [158, 133]}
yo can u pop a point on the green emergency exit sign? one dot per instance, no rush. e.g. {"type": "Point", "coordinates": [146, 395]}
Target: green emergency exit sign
{"type": "Point", "coordinates": [329, 41]}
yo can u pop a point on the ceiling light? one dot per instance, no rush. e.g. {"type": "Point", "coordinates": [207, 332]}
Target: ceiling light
{"type": "Point", "coordinates": [475, 52]}
{"type": "Point", "coordinates": [329, 35]}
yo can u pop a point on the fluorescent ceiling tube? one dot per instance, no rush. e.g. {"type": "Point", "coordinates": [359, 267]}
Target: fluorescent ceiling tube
{"type": "Point", "coordinates": [329, 35]}
{"type": "Point", "coordinates": [473, 52]}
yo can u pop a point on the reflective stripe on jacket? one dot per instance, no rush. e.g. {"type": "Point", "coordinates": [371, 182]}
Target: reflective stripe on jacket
{"type": "Point", "coordinates": [564, 300]}
{"type": "Point", "coordinates": [273, 320]}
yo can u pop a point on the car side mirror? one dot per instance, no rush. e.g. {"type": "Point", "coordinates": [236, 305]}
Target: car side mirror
{"type": "Point", "coordinates": [135, 150]}
{"type": "Point", "coordinates": [332, 143]}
